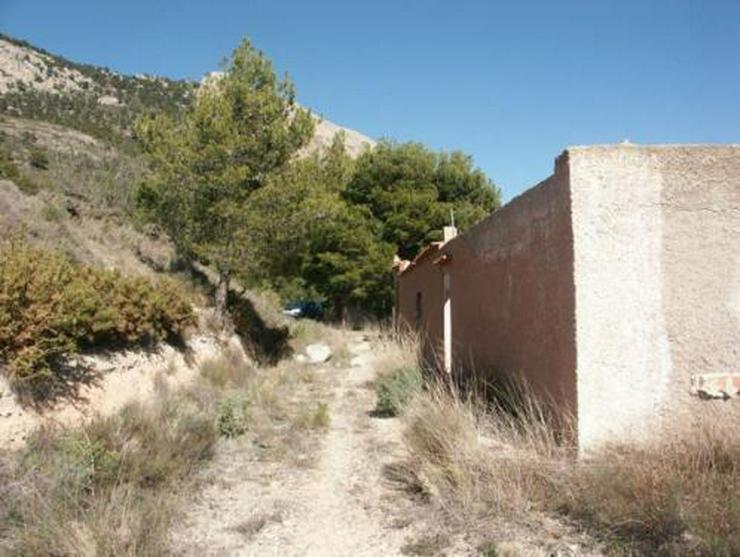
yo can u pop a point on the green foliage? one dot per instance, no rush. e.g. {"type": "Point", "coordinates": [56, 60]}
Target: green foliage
{"type": "Point", "coordinates": [39, 159]}
{"type": "Point", "coordinates": [233, 416]}
{"type": "Point", "coordinates": [327, 227]}
{"type": "Point", "coordinates": [488, 549]}
{"type": "Point", "coordinates": [308, 242]}
{"type": "Point", "coordinates": [50, 308]}
{"type": "Point", "coordinates": [53, 212]}
{"type": "Point", "coordinates": [9, 171]}
{"type": "Point", "coordinates": [412, 190]}
{"type": "Point", "coordinates": [320, 419]}
{"type": "Point", "coordinates": [242, 128]}
{"type": "Point", "coordinates": [395, 390]}
{"type": "Point", "coordinates": [349, 265]}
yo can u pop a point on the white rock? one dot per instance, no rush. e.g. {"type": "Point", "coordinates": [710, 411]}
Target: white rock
{"type": "Point", "coordinates": [318, 353]}
{"type": "Point", "coordinates": [108, 100]}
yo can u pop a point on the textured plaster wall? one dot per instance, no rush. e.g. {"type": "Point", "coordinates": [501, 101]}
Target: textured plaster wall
{"type": "Point", "coordinates": [512, 292]}
{"type": "Point", "coordinates": [427, 279]}
{"type": "Point", "coordinates": [701, 268]}
{"type": "Point", "coordinates": [609, 285]}
{"type": "Point", "coordinates": [657, 247]}
{"type": "Point", "coordinates": [624, 363]}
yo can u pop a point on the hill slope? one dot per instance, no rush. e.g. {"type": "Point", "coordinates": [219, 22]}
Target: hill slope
{"type": "Point", "coordinates": [39, 85]}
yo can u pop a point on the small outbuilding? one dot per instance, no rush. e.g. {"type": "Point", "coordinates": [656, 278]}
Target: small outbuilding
{"type": "Point", "coordinates": [613, 287]}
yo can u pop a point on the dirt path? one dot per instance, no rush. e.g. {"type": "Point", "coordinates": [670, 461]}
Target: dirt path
{"type": "Point", "coordinates": [340, 506]}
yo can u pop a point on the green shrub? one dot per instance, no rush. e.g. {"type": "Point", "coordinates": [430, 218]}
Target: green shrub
{"type": "Point", "coordinates": [53, 213]}
{"type": "Point", "coordinates": [10, 171]}
{"type": "Point", "coordinates": [320, 419]}
{"type": "Point", "coordinates": [233, 416]}
{"type": "Point", "coordinates": [39, 159]}
{"type": "Point", "coordinates": [396, 389]}
{"type": "Point", "coordinates": [51, 308]}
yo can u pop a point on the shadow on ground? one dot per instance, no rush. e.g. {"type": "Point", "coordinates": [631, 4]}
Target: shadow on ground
{"type": "Point", "coordinates": [264, 342]}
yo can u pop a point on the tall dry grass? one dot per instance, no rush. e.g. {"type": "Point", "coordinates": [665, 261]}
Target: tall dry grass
{"type": "Point", "coordinates": [481, 462]}
{"type": "Point", "coordinates": [676, 496]}
{"type": "Point", "coordinates": [679, 495]}
{"type": "Point", "coordinates": [111, 487]}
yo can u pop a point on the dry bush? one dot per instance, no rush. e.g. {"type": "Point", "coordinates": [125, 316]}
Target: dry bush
{"type": "Point", "coordinates": [478, 461]}
{"type": "Point", "coordinates": [677, 496]}
{"type": "Point", "coordinates": [50, 308]}
{"type": "Point", "coordinates": [230, 369]}
{"type": "Point", "coordinates": [108, 488]}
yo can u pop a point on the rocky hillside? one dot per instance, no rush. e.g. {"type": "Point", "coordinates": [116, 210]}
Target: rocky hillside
{"type": "Point", "coordinates": [68, 167]}
{"type": "Point", "coordinates": [38, 85]}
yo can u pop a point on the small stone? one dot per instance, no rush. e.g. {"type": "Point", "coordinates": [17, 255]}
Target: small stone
{"type": "Point", "coordinates": [318, 353]}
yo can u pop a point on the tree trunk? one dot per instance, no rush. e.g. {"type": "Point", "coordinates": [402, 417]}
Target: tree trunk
{"type": "Point", "coordinates": [222, 296]}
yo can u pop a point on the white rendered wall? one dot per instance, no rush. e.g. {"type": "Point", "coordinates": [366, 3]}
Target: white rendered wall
{"type": "Point", "coordinates": [623, 357]}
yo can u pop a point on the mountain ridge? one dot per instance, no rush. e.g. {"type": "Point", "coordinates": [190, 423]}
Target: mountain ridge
{"type": "Point", "coordinates": [40, 85]}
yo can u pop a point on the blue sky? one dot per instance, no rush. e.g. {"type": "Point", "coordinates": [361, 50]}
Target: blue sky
{"type": "Point", "coordinates": [512, 83]}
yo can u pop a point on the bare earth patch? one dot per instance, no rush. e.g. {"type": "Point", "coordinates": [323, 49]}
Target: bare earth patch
{"type": "Point", "coordinates": [347, 493]}
{"type": "Point", "coordinates": [340, 505]}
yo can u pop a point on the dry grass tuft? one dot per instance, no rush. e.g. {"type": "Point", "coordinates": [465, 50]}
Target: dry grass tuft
{"type": "Point", "coordinates": [480, 463]}
{"type": "Point", "coordinates": [393, 351]}
{"type": "Point", "coordinates": [434, 544]}
{"type": "Point", "coordinates": [109, 488]}
{"type": "Point", "coordinates": [230, 369]}
{"type": "Point", "coordinates": [251, 527]}
{"type": "Point", "coordinates": [678, 496]}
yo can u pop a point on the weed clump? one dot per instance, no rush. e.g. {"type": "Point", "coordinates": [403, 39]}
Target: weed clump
{"type": "Point", "coordinates": [317, 419]}
{"type": "Point", "coordinates": [395, 390]}
{"type": "Point", "coordinates": [233, 416]}
{"type": "Point", "coordinates": [9, 170]}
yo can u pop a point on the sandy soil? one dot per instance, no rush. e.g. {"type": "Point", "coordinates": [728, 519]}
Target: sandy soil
{"type": "Point", "coordinates": [116, 379]}
{"type": "Point", "coordinates": [341, 506]}
{"type": "Point", "coordinates": [344, 505]}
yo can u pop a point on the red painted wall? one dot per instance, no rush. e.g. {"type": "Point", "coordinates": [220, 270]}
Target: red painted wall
{"type": "Point", "coordinates": [425, 278]}
{"type": "Point", "coordinates": [512, 293]}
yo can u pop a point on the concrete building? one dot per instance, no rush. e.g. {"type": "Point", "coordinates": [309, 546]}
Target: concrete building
{"type": "Point", "coordinates": [613, 286]}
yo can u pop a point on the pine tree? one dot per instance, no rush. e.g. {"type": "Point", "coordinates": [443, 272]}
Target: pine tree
{"type": "Point", "coordinates": [243, 127]}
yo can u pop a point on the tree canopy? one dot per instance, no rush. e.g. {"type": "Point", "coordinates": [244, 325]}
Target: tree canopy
{"type": "Point", "coordinates": [328, 226]}
{"type": "Point", "coordinates": [411, 191]}
{"type": "Point", "coordinates": [241, 128]}
{"type": "Point", "coordinates": [308, 242]}
{"type": "Point", "coordinates": [228, 186]}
